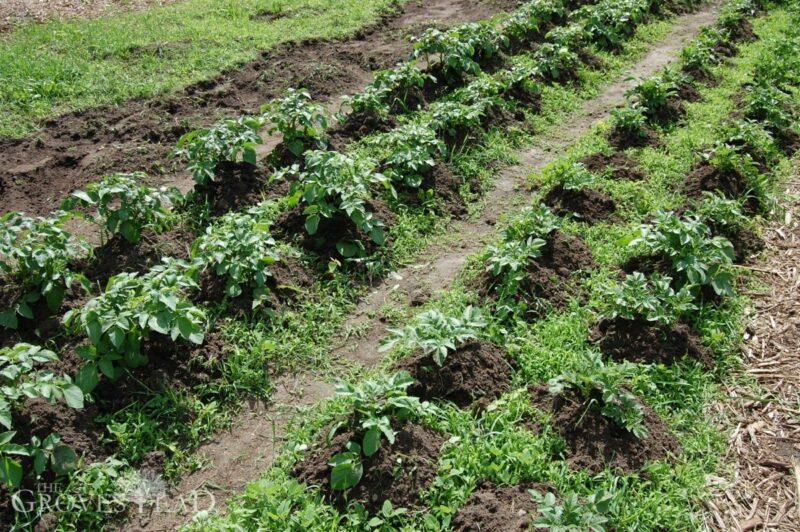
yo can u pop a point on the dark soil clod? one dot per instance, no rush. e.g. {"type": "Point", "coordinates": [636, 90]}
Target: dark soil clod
{"type": "Point", "coordinates": [586, 205]}
{"type": "Point", "coordinates": [492, 508]}
{"type": "Point", "coordinates": [619, 164]}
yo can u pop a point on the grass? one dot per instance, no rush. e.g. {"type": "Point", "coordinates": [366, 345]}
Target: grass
{"type": "Point", "coordinates": [57, 67]}
{"type": "Point", "coordinates": [664, 495]}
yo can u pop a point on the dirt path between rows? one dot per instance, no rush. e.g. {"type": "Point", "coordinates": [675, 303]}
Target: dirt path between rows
{"type": "Point", "coordinates": [764, 448]}
{"type": "Point", "coordinates": [234, 461]}
{"type": "Point", "coordinates": [38, 172]}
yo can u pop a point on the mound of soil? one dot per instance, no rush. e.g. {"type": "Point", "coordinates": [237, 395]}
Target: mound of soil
{"type": "Point", "coordinates": [118, 255]}
{"type": "Point", "coordinates": [549, 276]}
{"type": "Point", "coordinates": [648, 343]}
{"type": "Point", "coordinates": [492, 508]}
{"type": "Point", "coordinates": [619, 164]}
{"type": "Point", "coordinates": [701, 76]}
{"type": "Point", "coordinates": [289, 279]}
{"type": "Point", "coordinates": [446, 185]}
{"type": "Point", "coordinates": [476, 372]}
{"type": "Point", "coordinates": [673, 111]}
{"type": "Point", "coordinates": [788, 140]}
{"type": "Point", "coordinates": [688, 92]}
{"type": "Point", "coordinates": [397, 472]}
{"type": "Point", "coordinates": [623, 140]}
{"type": "Point", "coordinates": [743, 32]}
{"type": "Point", "coordinates": [594, 442]}
{"type": "Point", "coordinates": [359, 125]}
{"type": "Point", "coordinates": [586, 204]}
{"type": "Point", "coordinates": [706, 177]}
{"type": "Point", "coordinates": [291, 224]}
{"type": "Point", "coordinates": [237, 186]}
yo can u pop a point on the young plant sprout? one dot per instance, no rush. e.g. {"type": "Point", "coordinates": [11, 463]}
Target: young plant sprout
{"type": "Point", "coordinates": [652, 299]}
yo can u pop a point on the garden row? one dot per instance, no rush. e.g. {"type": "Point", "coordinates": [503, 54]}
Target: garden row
{"type": "Point", "coordinates": [664, 317]}
{"type": "Point", "coordinates": [237, 246]}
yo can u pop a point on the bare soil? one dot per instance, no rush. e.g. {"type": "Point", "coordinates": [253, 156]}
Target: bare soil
{"type": "Point", "coordinates": [645, 342]}
{"type": "Point", "coordinates": [619, 164]}
{"type": "Point", "coordinates": [706, 177]}
{"type": "Point", "coordinates": [585, 205]}
{"type": "Point", "coordinates": [475, 374]}
{"type": "Point", "coordinates": [493, 508]}
{"type": "Point", "coordinates": [594, 442]}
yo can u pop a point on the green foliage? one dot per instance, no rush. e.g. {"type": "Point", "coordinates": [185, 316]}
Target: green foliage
{"type": "Point", "coordinates": [529, 18]}
{"type": "Point", "coordinates": [437, 334]}
{"type": "Point", "coordinates": [132, 307]}
{"type": "Point", "coordinates": [652, 299]}
{"type": "Point", "coordinates": [556, 62]}
{"type": "Point", "coordinates": [376, 405]}
{"type": "Point", "coordinates": [124, 206]}
{"type": "Point", "coordinates": [573, 36]}
{"type": "Point", "coordinates": [450, 117]}
{"type": "Point", "coordinates": [532, 222]}
{"type": "Point", "coordinates": [240, 248]}
{"type": "Point", "coordinates": [605, 387]}
{"type": "Point", "coordinates": [334, 184]}
{"type": "Point", "coordinates": [697, 257]}
{"type": "Point", "coordinates": [300, 120]}
{"type": "Point", "coordinates": [630, 120]}
{"type": "Point", "coordinates": [611, 21]}
{"type": "Point", "coordinates": [574, 176]}
{"type": "Point", "coordinates": [413, 150]}
{"type": "Point", "coordinates": [721, 212]}
{"type": "Point", "coordinates": [570, 514]}
{"type": "Point", "coordinates": [457, 50]}
{"type": "Point", "coordinates": [227, 141]}
{"type": "Point", "coordinates": [21, 380]}
{"type": "Point", "coordinates": [779, 64]}
{"type": "Point", "coordinates": [37, 254]}
{"type": "Point", "coordinates": [768, 104]}
{"type": "Point", "coordinates": [749, 137]}
{"type": "Point", "coordinates": [652, 94]}
{"type": "Point", "coordinates": [389, 89]}
{"type": "Point", "coordinates": [699, 56]}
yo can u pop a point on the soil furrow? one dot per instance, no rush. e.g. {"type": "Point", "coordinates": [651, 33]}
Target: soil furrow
{"type": "Point", "coordinates": [38, 172]}
{"type": "Point", "coordinates": [435, 269]}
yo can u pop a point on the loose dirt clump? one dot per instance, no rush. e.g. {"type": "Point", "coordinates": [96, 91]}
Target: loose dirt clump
{"type": "Point", "coordinates": [586, 204]}
{"type": "Point", "coordinates": [397, 472]}
{"type": "Point", "coordinates": [447, 188]}
{"type": "Point", "coordinates": [549, 277]}
{"type": "Point", "coordinates": [619, 164]}
{"type": "Point", "coordinates": [706, 177]}
{"type": "Point", "coordinates": [237, 186]}
{"type": "Point", "coordinates": [594, 442]}
{"type": "Point", "coordinates": [477, 372]}
{"type": "Point", "coordinates": [645, 342]}
{"type": "Point", "coordinates": [623, 140]}
{"type": "Point", "coordinates": [493, 508]}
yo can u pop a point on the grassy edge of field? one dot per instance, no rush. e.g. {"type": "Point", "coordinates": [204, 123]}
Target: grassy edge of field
{"type": "Point", "coordinates": [63, 66]}
{"type": "Point", "coordinates": [550, 346]}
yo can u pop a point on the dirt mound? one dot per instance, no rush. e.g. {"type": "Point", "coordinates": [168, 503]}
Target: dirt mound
{"type": "Point", "coordinates": [623, 140]}
{"type": "Point", "coordinates": [706, 177]}
{"type": "Point", "coordinates": [619, 164]}
{"type": "Point", "coordinates": [237, 186]}
{"type": "Point", "coordinates": [492, 508]}
{"type": "Point", "coordinates": [549, 277]}
{"type": "Point", "coordinates": [397, 472]}
{"type": "Point", "coordinates": [646, 342]}
{"type": "Point", "coordinates": [586, 204]}
{"type": "Point", "coordinates": [594, 442]}
{"type": "Point", "coordinates": [476, 372]}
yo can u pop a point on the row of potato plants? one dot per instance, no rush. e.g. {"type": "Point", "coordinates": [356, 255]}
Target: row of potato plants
{"type": "Point", "coordinates": [697, 256]}
{"type": "Point", "coordinates": [134, 306]}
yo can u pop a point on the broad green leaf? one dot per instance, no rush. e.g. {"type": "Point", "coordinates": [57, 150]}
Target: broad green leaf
{"type": "Point", "coordinates": [73, 396]}
{"type": "Point", "coordinates": [10, 471]}
{"type": "Point", "coordinates": [372, 441]}
{"type": "Point", "coordinates": [87, 378]}
{"type": "Point", "coordinates": [64, 460]}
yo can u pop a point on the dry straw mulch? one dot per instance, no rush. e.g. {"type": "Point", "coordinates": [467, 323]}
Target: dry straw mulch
{"type": "Point", "coordinates": [764, 491]}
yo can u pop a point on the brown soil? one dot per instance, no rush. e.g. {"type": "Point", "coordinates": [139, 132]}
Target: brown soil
{"type": "Point", "coordinates": [673, 111]}
{"type": "Point", "coordinates": [118, 255]}
{"type": "Point", "coordinates": [396, 472]}
{"type": "Point", "coordinates": [291, 224]}
{"type": "Point", "coordinates": [357, 126]}
{"type": "Point", "coordinates": [75, 149]}
{"type": "Point", "coordinates": [623, 140]}
{"type": "Point", "coordinates": [646, 342]}
{"type": "Point", "coordinates": [550, 277]}
{"type": "Point", "coordinates": [594, 442]}
{"type": "Point", "coordinates": [705, 177]}
{"type": "Point", "coordinates": [701, 76]}
{"type": "Point", "coordinates": [476, 372]}
{"type": "Point", "coordinates": [446, 186]}
{"type": "Point", "coordinates": [743, 32]}
{"type": "Point", "coordinates": [586, 205]}
{"type": "Point", "coordinates": [492, 508]}
{"type": "Point", "coordinates": [619, 164]}
{"type": "Point", "coordinates": [238, 185]}
{"type": "Point", "coordinates": [689, 93]}
{"type": "Point", "coordinates": [788, 140]}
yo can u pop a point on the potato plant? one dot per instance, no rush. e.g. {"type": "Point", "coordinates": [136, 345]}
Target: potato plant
{"type": "Point", "coordinates": [450, 117]}
{"type": "Point", "coordinates": [604, 387]}
{"type": "Point", "coordinates": [239, 248]}
{"type": "Point", "coordinates": [21, 380]}
{"type": "Point", "coordinates": [124, 206]}
{"type": "Point", "coordinates": [653, 299]}
{"type": "Point", "coordinates": [630, 121]}
{"type": "Point", "coordinates": [697, 257]}
{"type": "Point", "coordinates": [301, 121]}
{"type": "Point", "coordinates": [413, 150]}
{"type": "Point", "coordinates": [609, 22]}
{"type": "Point", "coordinates": [437, 334]}
{"type": "Point", "coordinates": [556, 62]}
{"type": "Point", "coordinates": [377, 405]}
{"type": "Point", "coordinates": [37, 253]}
{"type": "Point", "coordinates": [652, 94]}
{"type": "Point", "coordinates": [768, 104]}
{"type": "Point", "coordinates": [231, 140]}
{"type": "Point", "coordinates": [334, 184]}
{"type": "Point", "coordinates": [529, 19]}
{"type": "Point", "coordinates": [389, 89]}
{"type": "Point", "coordinates": [458, 50]}
{"type": "Point", "coordinates": [131, 308]}
{"type": "Point", "coordinates": [574, 176]}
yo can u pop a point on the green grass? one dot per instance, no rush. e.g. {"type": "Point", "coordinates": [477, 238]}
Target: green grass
{"type": "Point", "coordinates": [495, 445]}
{"type": "Point", "coordinates": [57, 67]}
